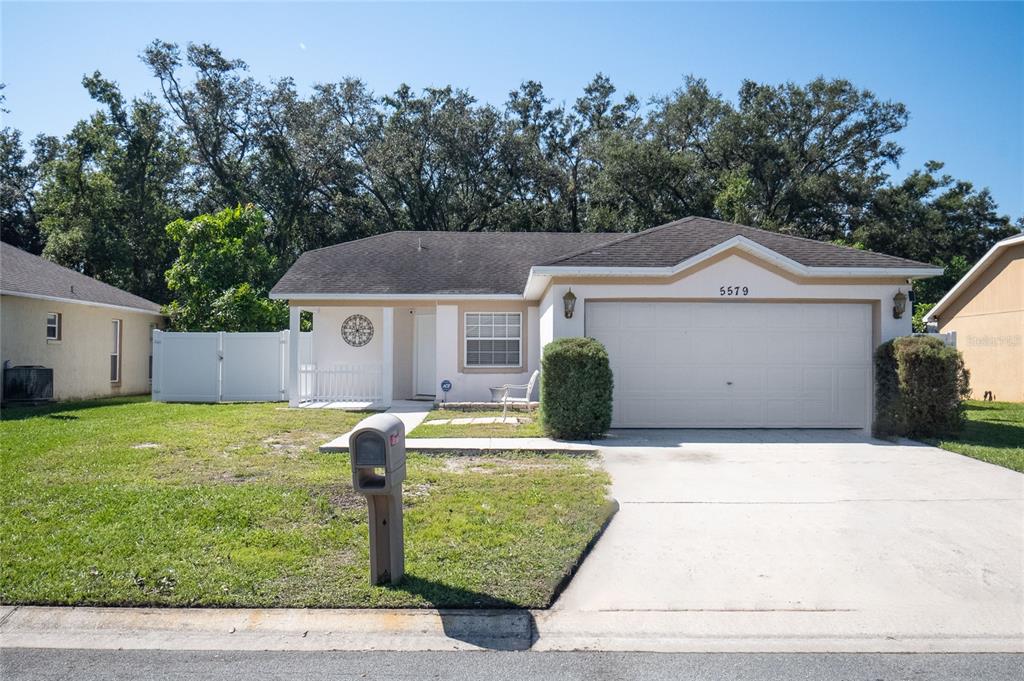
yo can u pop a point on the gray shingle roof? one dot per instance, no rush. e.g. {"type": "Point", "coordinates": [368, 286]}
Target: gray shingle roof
{"type": "Point", "coordinates": [491, 263]}
{"type": "Point", "coordinates": [477, 263]}
{"type": "Point", "coordinates": [670, 244]}
{"type": "Point", "coordinates": [22, 272]}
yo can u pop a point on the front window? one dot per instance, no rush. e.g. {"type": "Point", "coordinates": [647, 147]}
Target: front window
{"type": "Point", "coordinates": [494, 339]}
{"type": "Point", "coordinates": [115, 351]}
{"type": "Point", "coordinates": [53, 326]}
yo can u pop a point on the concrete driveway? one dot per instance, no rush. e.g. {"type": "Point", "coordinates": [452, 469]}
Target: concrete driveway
{"type": "Point", "coordinates": [798, 541]}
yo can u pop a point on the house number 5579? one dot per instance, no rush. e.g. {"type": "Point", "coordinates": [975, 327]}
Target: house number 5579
{"type": "Point", "coordinates": [733, 290]}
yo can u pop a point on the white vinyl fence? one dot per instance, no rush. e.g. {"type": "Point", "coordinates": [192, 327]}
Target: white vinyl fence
{"type": "Point", "coordinates": [253, 367]}
{"type": "Point", "coordinates": [220, 367]}
{"type": "Point", "coordinates": [947, 338]}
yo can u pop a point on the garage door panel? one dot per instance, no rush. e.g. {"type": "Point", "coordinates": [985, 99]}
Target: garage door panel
{"type": "Point", "coordinates": [639, 316]}
{"type": "Point", "coordinates": [669, 345]}
{"type": "Point", "coordinates": [736, 364]}
{"type": "Point", "coordinates": [784, 316]}
{"type": "Point", "coordinates": [603, 318]}
{"type": "Point", "coordinates": [709, 347]}
{"type": "Point", "coordinates": [817, 411]}
{"type": "Point", "coordinates": [850, 346]}
{"type": "Point", "coordinates": [816, 347]}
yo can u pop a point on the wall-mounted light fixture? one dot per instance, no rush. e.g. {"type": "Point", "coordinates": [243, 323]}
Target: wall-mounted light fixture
{"type": "Point", "coordinates": [569, 302]}
{"type": "Point", "coordinates": [899, 304]}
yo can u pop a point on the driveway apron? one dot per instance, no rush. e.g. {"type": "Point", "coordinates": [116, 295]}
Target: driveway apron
{"type": "Point", "coordinates": [816, 540]}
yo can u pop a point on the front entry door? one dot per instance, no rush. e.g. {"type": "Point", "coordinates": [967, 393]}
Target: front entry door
{"type": "Point", "coordinates": [425, 354]}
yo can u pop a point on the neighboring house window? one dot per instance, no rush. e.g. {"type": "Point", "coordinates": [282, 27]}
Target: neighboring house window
{"type": "Point", "coordinates": [53, 326]}
{"type": "Point", "coordinates": [115, 351]}
{"type": "Point", "coordinates": [493, 339]}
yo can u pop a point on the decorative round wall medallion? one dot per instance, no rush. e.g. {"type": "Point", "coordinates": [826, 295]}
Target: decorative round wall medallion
{"type": "Point", "coordinates": [357, 330]}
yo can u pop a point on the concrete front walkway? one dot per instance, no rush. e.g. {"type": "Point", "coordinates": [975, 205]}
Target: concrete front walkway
{"type": "Point", "coordinates": [813, 540]}
{"type": "Point", "coordinates": [412, 414]}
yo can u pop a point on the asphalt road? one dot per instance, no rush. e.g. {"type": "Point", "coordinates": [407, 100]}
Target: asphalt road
{"type": "Point", "coordinates": [22, 664]}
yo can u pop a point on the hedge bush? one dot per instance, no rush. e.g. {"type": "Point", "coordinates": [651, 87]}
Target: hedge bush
{"type": "Point", "coordinates": [920, 386]}
{"type": "Point", "coordinates": [575, 389]}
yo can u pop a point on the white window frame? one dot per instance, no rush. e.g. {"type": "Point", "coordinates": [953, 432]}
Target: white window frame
{"type": "Point", "coordinates": [467, 338]}
{"type": "Point", "coordinates": [56, 326]}
{"type": "Point", "coordinates": [117, 324]}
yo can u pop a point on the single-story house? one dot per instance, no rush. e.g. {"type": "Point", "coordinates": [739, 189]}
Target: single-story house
{"type": "Point", "coordinates": [986, 311]}
{"type": "Point", "coordinates": [96, 338]}
{"type": "Point", "coordinates": [707, 323]}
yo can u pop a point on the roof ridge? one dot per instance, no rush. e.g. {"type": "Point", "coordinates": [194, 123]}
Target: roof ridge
{"type": "Point", "coordinates": [818, 241]}
{"type": "Point", "coordinates": [615, 242]}
{"type": "Point", "coordinates": [449, 232]}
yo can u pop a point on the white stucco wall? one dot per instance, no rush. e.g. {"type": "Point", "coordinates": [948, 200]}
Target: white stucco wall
{"type": "Point", "coordinates": [81, 359]}
{"type": "Point", "coordinates": [763, 285]}
{"type": "Point", "coordinates": [328, 346]}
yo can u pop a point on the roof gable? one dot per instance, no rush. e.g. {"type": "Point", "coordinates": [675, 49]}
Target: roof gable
{"type": "Point", "coordinates": [964, 285]}
{"type": "Point", "coordinates": [24, 274]}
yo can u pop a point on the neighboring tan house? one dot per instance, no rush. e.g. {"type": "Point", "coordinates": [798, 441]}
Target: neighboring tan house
{"type": "Point", "coordinates": [707, 323]}
{"type": "Point", "coordinates": [986, 310]}
{"type": "Point", "coordinates": [95, 337]}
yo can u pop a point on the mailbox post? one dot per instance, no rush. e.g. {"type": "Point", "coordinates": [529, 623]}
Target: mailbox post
{"type": "Point", "coordinates": [377, 453]}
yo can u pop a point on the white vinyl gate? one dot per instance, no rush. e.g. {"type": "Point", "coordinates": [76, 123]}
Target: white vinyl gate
{"type": "Point", "coordinates": [220, 367]}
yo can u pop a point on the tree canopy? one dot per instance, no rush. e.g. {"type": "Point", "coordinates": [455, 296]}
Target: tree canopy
{"type": "Point", "coordinates": [343, 162]}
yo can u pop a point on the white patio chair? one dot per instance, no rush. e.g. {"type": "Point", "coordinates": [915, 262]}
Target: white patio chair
{"type": "Point", "coordinates": [527, 390]}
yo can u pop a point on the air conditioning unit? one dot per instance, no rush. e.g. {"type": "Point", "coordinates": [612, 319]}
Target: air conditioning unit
{"type": "Point", "coordinates": [28, 384]}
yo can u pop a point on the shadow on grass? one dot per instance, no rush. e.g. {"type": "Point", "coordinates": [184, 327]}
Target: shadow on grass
{"type": "Point", "coordinates": [60, 410]}
{"type": "Point", "coordinates": [487, 621]}
{"type": "Point", "coordinates": [476, 618]}
{"type": "Point", "coordinates": [990, 434]}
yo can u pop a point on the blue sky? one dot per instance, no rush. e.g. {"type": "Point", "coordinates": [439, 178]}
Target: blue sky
{"type": "Point", "coordinates": [958, 67]}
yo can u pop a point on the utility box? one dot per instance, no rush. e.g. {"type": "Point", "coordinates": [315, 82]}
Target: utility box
{"type": "Point", "coordinates": [377, 452]}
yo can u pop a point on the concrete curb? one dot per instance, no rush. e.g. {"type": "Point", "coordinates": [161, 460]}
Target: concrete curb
{"type": "Point", "coordinates": [441, 630]}
{"type": "Point", "coordinates": [265, 629]}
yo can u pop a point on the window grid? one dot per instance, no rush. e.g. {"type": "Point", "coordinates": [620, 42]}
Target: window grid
{"type": "Point", "coordinates": [53, 326]}
{"type": "Point", "coordinates": [493, 339]}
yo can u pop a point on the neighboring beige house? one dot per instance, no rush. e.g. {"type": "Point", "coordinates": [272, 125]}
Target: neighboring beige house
{"type": "Point", "coordinates": [707, 323]}
{"type": "Point", "coordinates": [95, 337]}
{"type": "Point", "coordinates": [986, 310]}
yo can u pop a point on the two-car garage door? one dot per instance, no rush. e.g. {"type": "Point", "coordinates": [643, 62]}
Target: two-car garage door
{"type": "Point", "coordinates": [736, 364]}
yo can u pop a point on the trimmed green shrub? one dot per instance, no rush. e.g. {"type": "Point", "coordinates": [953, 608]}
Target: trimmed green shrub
{"type": "Point", "coordinates": [575, 389]}
{"type": "Point", "coordinates": [920, 386]}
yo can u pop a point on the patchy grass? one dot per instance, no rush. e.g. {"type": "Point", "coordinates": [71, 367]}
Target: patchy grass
{"type": "Point", "coordinates": [529, 425]}
{"type": "Point", "coordinates": [130, 502]}
{"type": "Point", "coordinates": [994, 433]}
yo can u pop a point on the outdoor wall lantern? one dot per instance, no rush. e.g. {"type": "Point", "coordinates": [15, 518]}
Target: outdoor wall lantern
{"type": "Point", "coordinates": [569, 301]}
{"type": "Point", "coordinates": [899, 304]}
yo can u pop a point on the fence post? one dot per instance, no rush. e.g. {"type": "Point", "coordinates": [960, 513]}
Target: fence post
{"type": "Point", "coordinates": [294, 329]}
{"type": "Point", "coordinates": [282, 362]}
{"type": "Point", "coordinates": [388, 358]}
{"type": "Point", "coordinates": [220, 366]}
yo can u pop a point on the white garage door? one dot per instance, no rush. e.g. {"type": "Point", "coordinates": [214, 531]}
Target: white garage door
{"type": "Point", "coordinates": [736, 365]}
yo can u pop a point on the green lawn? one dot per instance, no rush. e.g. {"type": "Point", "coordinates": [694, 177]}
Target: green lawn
{"type": "Point", "coordinates": [531, 428]}
{"type": "Point", "coordinates": [994, 433]}
{"type": "Point", "coordinates": [130, 502]}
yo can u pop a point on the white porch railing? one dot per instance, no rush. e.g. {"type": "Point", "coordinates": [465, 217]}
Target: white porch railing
{"type": "Point", "coordinates": [341, 383]}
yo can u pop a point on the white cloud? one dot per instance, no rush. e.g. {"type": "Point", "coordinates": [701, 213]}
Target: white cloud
{"type": "Point", "coordinates": [302, 46]}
